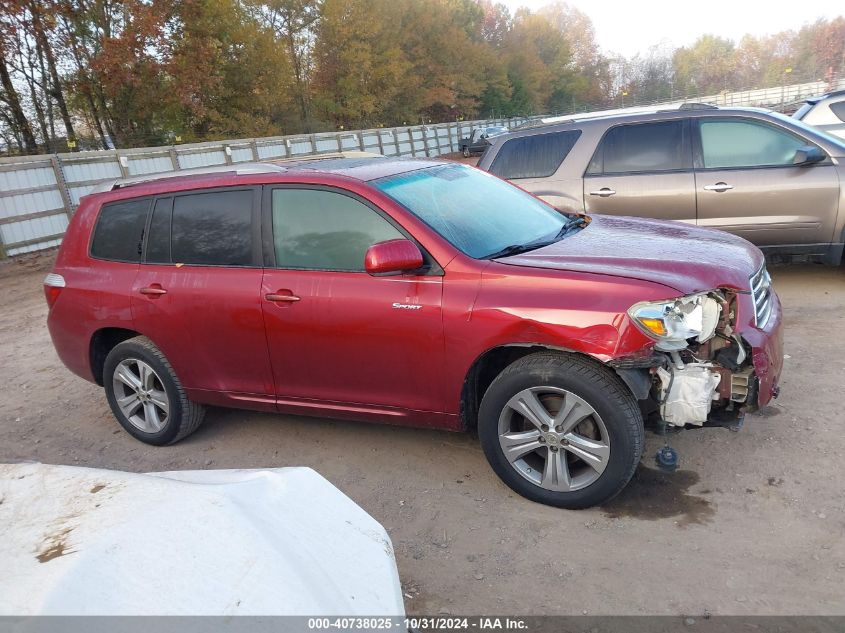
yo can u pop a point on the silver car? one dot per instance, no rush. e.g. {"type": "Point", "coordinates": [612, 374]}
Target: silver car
{"type": "Point", "coordinates": [826, 112]}
{"type": "Point", "coordinates": [764, 176]}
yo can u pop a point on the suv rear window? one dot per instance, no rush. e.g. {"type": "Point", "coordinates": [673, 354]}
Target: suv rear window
{"type": "Point", "coordinates": [213, 228]}
{"type": "Point", "coordinates": [643, 147]}
{"type": "Point", "coordinates": [537, 156]}
{"type": "Point", "coordinates": [119, 234]}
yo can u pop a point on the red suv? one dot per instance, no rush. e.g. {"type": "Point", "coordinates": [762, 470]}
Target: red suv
{"type": "Point", "coordinates": [413, 292]}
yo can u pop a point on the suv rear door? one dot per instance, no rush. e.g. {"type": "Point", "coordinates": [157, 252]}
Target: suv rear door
{"type": "Point", "coordinates": [340, 338]}
{"type": "Point", "coordinates": [643, 169]}
{"type": "Point", "coordinates": [747, 184]}
{"type": "Point", "coordinates": [197, 292]}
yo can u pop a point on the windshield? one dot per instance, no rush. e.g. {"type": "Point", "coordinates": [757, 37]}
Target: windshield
{"type": "Point", "coordinates": [477, 213]}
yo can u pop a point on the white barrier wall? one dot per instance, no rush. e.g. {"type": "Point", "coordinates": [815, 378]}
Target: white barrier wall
{"type": "Point", "coordinates": [38, 194]}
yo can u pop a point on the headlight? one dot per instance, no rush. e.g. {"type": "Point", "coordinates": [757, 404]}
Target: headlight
{"type": "Point", "coordinates": [672, 322]}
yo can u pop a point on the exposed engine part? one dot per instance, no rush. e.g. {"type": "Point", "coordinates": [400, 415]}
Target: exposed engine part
{"type": "Point", "coordinates": [740, 359]}
{"type": "Point", "coordinates": [728, 357]}
{"type": "Point", "coordinates": [686, 395]}
{"type": "Point", "coordinates": [676, 360]}
{"type": "Point", "coordinates": [741, 384]}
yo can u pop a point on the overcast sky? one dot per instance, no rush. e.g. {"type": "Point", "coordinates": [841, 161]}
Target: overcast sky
{"type": "Point", "coordinates": [631, 26]}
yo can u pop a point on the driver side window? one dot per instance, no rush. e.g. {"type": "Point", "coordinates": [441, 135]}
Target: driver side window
{"type": "Point", "coordinates": [314, 229]}
{"type": "Point", "coordinates": [744, 143]}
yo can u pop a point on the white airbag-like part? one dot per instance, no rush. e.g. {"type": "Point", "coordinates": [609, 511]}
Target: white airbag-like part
{"type": "Point", "coordinates": [280, 541]}
{"type": "Point", "coordinates": [710, 311]}
{"type": "Point", "coordinates": [691, 393]}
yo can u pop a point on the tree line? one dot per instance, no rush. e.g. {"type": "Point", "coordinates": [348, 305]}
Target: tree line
{"type": "Point", "coordinates": [86, 74]}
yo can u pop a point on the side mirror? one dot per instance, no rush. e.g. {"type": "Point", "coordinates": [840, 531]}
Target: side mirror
{"type": "Point", "coordinates": [392, 256]}
{"type": "Point", "coordinates": [808, 155]}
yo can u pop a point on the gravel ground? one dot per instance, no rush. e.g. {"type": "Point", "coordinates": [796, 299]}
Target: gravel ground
{"type": "Point", "coordinates": [752, 524]}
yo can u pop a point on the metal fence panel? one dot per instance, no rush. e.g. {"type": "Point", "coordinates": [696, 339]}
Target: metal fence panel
{"type": "Point", "coordinates": [276, 149]}
{"type": "Point", "coordinates": [201, 158]}
{"type": "Point", "coordinates": [39, 193]}
{"type": "Point", "coordinates": [242, 154]}
{"type": "Point", "coordinates": [91, 169]}
{"type": "Point", "coordinates": [143, 165]}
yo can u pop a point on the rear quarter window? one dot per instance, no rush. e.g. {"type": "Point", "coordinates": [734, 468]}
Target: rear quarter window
{"type": "Point", "coordinates": [119, 233]}
{"type": "Point", "coordinates": [537, 156]}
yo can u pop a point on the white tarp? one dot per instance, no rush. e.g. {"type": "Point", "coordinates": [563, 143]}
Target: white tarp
{"type": "Point", "coordinates": [80, 541]}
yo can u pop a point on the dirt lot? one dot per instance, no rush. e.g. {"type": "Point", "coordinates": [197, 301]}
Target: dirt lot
{"type": "Point", "coordinates": [753, 524]}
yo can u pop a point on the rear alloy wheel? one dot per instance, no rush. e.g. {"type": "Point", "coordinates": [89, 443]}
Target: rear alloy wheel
{"type": "Point", "coordinates": [145, 394]}
{"type": "Point", "coordinates": [140, 394]}
{"type": "Point", "coordinates": [561, 429]}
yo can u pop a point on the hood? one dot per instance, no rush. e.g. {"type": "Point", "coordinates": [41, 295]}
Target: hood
{"type": "Point", "coordinates": [686, 258]}
{"type": "Point", "coordinates": [280, 541]}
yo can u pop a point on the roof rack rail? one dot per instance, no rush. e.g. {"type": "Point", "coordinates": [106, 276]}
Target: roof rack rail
{"type": "Point", "coordinates": [238, 170]}
{"type": "Point", "coordinates": [697, 106]}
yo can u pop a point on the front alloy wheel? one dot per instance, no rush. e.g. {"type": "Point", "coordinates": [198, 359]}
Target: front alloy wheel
{"type": "Point", "coordinates": [561, 429]}
{"type": "Point", "coordinates": [554, 439]}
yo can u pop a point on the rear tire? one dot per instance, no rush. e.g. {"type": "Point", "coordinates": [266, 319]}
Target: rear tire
{"type": "Point", "coordinates": [561, 429]}
{"type": "Point", "coordinates": [145, 394]}
{"type": "Point", "coordinates": [465, 151]}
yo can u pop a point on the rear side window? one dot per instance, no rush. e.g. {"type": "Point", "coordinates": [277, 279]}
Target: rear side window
{"type": "Point", "coordinates": [119, 234]}
{"type": "Point", "coordinates": [213, 228]}
{"type": "Point", "coordinates": [644, 147]}
{"type": "Point", "coordinates": [838, 109]}
{"type": "Point", "coordinates": [537, 156]}
{"type": "Point", "coordinates": [323, 230]}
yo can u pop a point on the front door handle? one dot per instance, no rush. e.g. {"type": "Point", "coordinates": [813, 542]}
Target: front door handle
{"type": "Point", "coordinates": [719, 186]}
{"type": "Point", "coordinates": [604, 192]}
{"type": "Point", "coordinates": [278, 297]}
{"type": "Point", "coordinates": [155, 290]}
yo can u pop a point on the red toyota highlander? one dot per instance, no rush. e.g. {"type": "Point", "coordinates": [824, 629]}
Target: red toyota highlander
{"type": "Point", "coordinates": [413, 292]}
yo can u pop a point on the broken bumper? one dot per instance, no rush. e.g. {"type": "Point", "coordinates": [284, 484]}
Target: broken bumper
{"type": "Point", "coordinates": [767, 352]}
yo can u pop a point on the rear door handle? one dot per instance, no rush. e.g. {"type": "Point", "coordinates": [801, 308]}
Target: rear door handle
{"type": "Point", "coordinates": [154, 290]}
{"type": "Point", "coordinates": [719, 186]}
{"type": "Point", "coordinates": [604, 192]}
{"type": "Point", "coordinates": [277, 297]}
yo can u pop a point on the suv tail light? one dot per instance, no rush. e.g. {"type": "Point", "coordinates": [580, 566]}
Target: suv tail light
{"type": "Point", "coordinates": [53, 284]}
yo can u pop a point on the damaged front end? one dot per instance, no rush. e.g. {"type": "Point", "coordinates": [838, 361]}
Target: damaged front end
{"type": "Point", "coordinates": [702, 370]}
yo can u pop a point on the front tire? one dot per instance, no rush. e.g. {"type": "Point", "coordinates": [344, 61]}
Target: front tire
{"type": "Point", "coordinates": [561, 429]}
{"type": "Point", "coordinates": [465, 151]}
{"type": "Point", "coordinates": [146, 396]}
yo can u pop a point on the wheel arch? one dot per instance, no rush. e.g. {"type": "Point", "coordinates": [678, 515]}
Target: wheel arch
{"type": "Point", "coordinates": [490, 364]}
{"type": "Point", "coordinates": [102, 342]}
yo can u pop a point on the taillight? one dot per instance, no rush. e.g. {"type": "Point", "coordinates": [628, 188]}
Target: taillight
{"type": "Point", "coordinates": [53, 284]}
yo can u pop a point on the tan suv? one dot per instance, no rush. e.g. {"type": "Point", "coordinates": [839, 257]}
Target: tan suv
{"type": "Point", "coordinates": [766, 177]}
